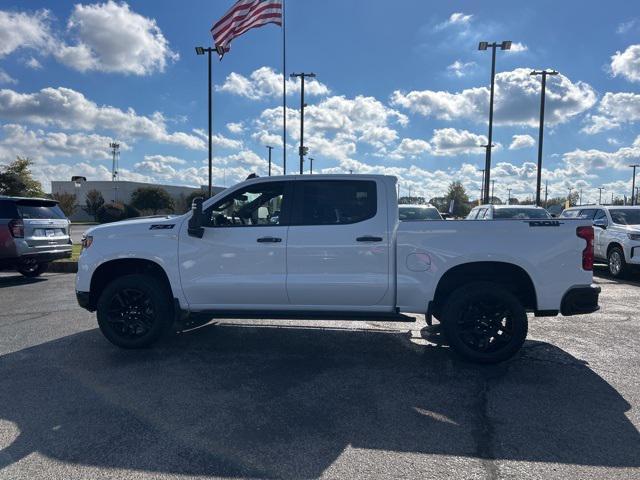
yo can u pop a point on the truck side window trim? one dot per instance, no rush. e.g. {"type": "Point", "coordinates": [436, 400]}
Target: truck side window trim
{"type": "Point", "coordinates": [285, 213]}
{"type": "Point", "coordinates": [297, 213]}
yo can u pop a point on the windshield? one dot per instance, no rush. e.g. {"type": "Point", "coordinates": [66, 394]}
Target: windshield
{"type": "Point", "coordinates": [39, 210]}
{"type": "Point", "coordinates": [419, 213]}
{"type": "Point", "coordinates": [520, 213]}
{"type": "Point", "coordinates": [625, 216]}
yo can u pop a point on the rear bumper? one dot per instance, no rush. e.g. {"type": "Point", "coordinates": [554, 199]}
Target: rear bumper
{"type": "Point", "coordinates": [580, 300]}
{"type": "Point", "coordinates": [39, 257]}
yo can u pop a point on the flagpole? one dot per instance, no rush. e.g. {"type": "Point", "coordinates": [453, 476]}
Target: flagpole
{"type": "Point", "coordinates": [284, 91]}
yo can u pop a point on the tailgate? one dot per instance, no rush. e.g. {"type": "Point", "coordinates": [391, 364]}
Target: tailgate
{"type": "Point", "coordinates": [45, 225]}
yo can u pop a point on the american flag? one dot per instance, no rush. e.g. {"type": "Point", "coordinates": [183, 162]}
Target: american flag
{"type": "Point", "coordinates": [243, 16]}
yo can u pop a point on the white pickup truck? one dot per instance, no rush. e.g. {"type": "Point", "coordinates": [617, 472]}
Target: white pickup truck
{"type": "Point", "coordinates": [332, 247]}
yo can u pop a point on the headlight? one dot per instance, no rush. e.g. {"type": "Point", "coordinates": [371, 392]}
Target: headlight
{"type": "Point", "coordinates": [633, 236]}
{"type": "Point", "coordinates": [86, 241]}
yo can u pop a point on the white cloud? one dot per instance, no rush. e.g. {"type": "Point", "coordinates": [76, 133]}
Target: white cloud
{"type": "Point", "coordinates": [461, 69]}
{"type": "Point", "coordinates": [625, 27]}
{"type": "Point", "coordinates": [218, 140]}
{"type": "Point", "coordinates": [521, 141]}
{"type": "Point", "coordinates": [614, 109]}
{"type": "Point", "coordinates": [109, 37]}
{"type": "Point", "coordinates": [235, 127]}
{"type": "Point", "coordinates": [517, 47]}
{"type": "Point", "coordinates": [516, 100]}
{"type": "Point", "coordinates": [334, 126]}
{"type": "Point", "coordinates": [586, 161]}
{"type": "Point", "coordinates": [165, 159]}
{"type": "Point", "coordinates": [451, 141]}
{"type": "Point", "coordinates": [33, 63]}
{"type": "Point", "coordinates": [6, 78]}
{"type": "Point", "coordinates": [455, 19]}
{"type": "Point", "coordinates": [38, 144]}
{"type": "Point", "coordinates": [265, 83]}
{"type": "Point", "coordinates": [627, 63]}
{"type": "Point", "coordinates": [411, 148]}
{"type": "Point", "coordinates": [67, 108]}
{"type": "Point", "coordinates": [24, 30]}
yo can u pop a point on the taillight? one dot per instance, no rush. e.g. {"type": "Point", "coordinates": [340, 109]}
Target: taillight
{"type": "Point", "coordinates": [16, 227]}
{"type": "Point", "coordinates": [587, 254]}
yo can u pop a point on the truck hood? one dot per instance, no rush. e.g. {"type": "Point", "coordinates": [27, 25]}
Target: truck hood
{"type": "Point", "coordinates": [161, 223]}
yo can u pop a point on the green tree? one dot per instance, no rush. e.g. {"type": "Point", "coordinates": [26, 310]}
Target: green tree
{"type": "Point", "coordinates": [66, 201]}
{"type": "Point", "coordinates": [152, 199]}
{"type": "Point", "coordinates": [93, 203]}
{"type": "Point", "coordinates": [458, 194]}
{"type": "Point", "coordinates": [16, 179]}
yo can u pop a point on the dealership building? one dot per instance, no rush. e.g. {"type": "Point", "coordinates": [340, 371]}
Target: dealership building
{"type": "Point", "coordinates": [118, 191]}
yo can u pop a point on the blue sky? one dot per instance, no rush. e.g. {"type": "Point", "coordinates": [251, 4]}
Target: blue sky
{"type": "Point", "coordinates": [401, 89]}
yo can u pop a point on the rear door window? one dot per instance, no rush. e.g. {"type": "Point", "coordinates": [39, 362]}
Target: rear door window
{"type": "Point", "coordinates": [588, 213]}
{"type": "Point", "coordinates": [327, 202]}
{"type": "Point", "coordinates": [8, 209]}
{"type": "Point", "coordinates": [570, 213]}
{"type": "Point", "coordinates": [30, 209]}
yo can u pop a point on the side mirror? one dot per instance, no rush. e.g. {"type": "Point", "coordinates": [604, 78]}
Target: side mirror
{"type": "Point", "coordinates": [601, 222]}
{"type": "Point", "coordinates": [197, 218]}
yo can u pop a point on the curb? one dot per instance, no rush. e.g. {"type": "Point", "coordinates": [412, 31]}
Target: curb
{"type": "Point", "coordinates": [63, 267]}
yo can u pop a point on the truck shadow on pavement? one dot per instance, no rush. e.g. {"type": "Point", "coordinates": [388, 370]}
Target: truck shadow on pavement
{"type": "Point", "coordinates": [278, 402]}
{"type": "Point", "coordinates": [17, 280]}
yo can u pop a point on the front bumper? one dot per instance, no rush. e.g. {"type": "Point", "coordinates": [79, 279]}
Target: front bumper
{"type": "Point", "coordinates": [580, 300]}
{"type": "Point", "coordinates": [84, 300]}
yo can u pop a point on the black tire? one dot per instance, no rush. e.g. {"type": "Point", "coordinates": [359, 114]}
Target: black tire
{"type": "Point", "coordinates": [616, 263]}
{"type": "Point", "coordinates": [484, 322]}
{"type": "Point", "coordinates": [32, 269]}
{"type": "Point", "coordinates": [135, 311]}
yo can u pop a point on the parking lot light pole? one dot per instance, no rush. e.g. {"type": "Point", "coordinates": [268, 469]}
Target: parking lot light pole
{"type": "Point", "coordinates": [544, 74]}
{"type": "Point", "coordinates": [505, 45]}
{"type": "Point", "coordinates": [600, 195]}
{"type": "Point", "coordinates": [269, 148]}
{"type": "Point", "coordinates": [302, 150]}
{"type": "Point", "coordinates": [201, 51]}
{"type": "Point", "coordinates": [633, 184]}
{"type": "Point", "coordinates": [310, 166]}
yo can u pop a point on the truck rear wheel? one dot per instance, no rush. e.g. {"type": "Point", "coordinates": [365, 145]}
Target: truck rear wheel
{"type": "Point", "coordinates": [484, 322]}
{"type": "Point", "coordinates": [617, 265]}
{"type": "Point", "coordinates": [135, 311]}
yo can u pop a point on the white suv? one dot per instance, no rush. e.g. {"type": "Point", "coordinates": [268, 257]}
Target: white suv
{"type": "Point", "coordinates": [503, 212]}
{"type": "Point", "coordinates": [617, 234]}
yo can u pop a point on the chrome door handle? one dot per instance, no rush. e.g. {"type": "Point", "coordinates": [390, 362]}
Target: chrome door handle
{"type": "Point", "coordinates": [269, 240]}
{"type": "Point", "coordinates": [368, 238]}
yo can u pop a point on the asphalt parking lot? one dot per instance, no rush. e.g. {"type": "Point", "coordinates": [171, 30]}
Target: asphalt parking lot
{"type": "Point", "coordinates": [259, 399]}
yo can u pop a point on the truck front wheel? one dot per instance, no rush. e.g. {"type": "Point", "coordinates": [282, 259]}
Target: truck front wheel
{"type": "Point", "coordinates": [484, 322]}
{"type": "Point", "coordinates": [134, 311]}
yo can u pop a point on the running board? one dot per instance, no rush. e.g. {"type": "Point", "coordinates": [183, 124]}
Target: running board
{"type": "Point", "coordinates": [302, 315]}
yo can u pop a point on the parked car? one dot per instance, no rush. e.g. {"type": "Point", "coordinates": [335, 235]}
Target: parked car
{"type": "Point", "coordinates": [338, 250]}
{"type": "Point", "coordinates": [33, 232]}
{"type": "Point", "coordinates": [501, 212]}
{"type": "Point", "coordinates": [418, 212]}
{"type": "Point", "coordinates": [617, 235]}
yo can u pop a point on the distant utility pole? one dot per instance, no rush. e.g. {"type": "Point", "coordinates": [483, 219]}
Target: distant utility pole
{"type": "Point", "coordinates": [633, 184]}
{"type": "Point", "coordinates": [508, 196]}
{"type": "Point", "coordinates": [310, 166]}
{"type": "Point", "coordinates": [302, 149]}
{"type": "Point", "coordinates": [544, 74]}
{"type": "Point", "coordinates": [600, 195]}
{"type": "Point", "coordinates": [580, 198]}
{"type": "Point", "coordinates": [569, 197]}
{"type": "Point", "coordinates": [269, 148]}
{"type": "Point", "coordinates": [481, 198]}
{"type": "Point", "coordinates": [611, 198]}
{"type": "Point", "coordinates": [546, 193]}
{"type": "Point", "coordinates": [493, 189]}
{"type": "Point", "coordinates": [505, 45]}
{"type": "Point", "coordinates": [115, 151]}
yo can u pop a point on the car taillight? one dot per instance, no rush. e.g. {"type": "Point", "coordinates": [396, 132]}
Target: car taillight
{"type": "Point", "coordinates": [16, 227]}
{"type": "Point", "coordinates": [587, 254]}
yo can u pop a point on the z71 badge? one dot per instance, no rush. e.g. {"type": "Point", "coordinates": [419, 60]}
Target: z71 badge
{"type": "Point", "coordinates": [167, 226]}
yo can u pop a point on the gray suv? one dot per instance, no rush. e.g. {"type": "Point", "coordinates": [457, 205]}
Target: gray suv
{"type": "Point", "coordinates": [33, 232]}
